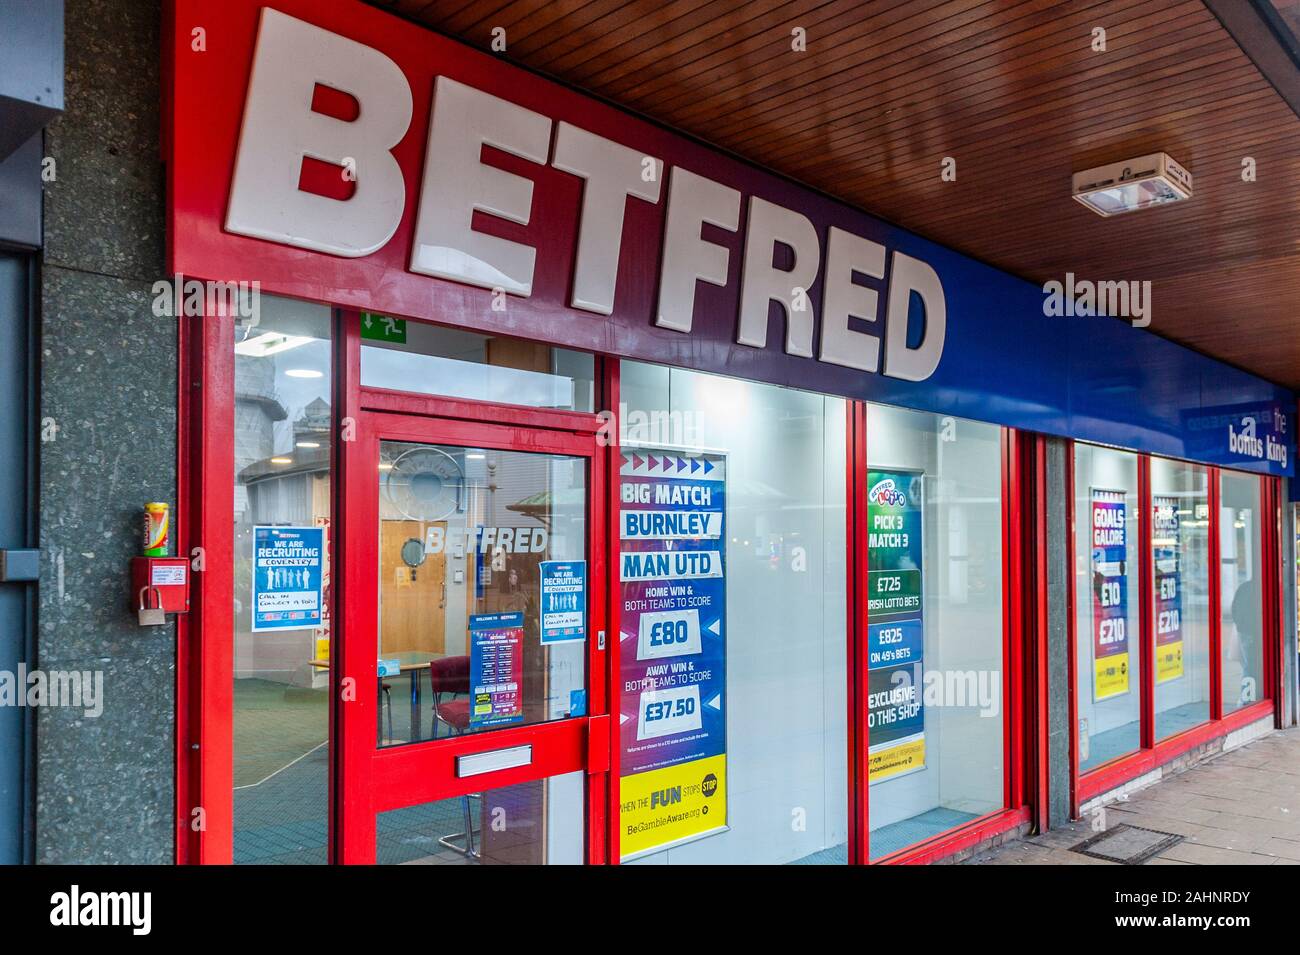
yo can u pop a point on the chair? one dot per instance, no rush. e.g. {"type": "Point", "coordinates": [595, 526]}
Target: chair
{"type": "Point", "coordinates": [450, 676]}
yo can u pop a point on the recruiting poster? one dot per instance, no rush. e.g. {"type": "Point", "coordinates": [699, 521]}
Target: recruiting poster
{"type": "Point", "coordinates": [672, 530]}
{"type": "Point", "coordinates": [895, 629]}
{"type": "Point", "coordinates": [564, 600]}
{"type": "Point", "coordinates": [1166, 543]}
{"type": "Point", "coordinates": [1109, 594]}
{"type": "Point", "coordinates": [496, 668]}
{"type": "Point", "coordinates": [287, 577]}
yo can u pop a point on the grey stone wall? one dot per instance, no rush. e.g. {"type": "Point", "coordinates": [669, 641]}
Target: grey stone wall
{"type": "Point", "coordinates": [105, 787]}
{"type": "Point", "coordinates": [1058, 634]}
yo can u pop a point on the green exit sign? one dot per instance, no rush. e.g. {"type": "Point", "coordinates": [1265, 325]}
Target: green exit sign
{"type": "Point", "coordinates": [383, 328]}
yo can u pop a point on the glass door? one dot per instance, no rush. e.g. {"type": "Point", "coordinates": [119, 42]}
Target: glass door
{"type": "Point", "coordinates": [473, 645]}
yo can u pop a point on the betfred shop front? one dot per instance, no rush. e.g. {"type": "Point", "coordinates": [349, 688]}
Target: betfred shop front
{"type": "Point", "coordinates": [570, 491]}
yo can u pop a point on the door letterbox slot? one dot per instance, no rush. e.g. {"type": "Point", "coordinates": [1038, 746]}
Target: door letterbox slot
{"type": "Point", "coordinates": [475, 764]}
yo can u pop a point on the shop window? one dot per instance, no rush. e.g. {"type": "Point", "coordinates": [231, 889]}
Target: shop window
{"type": "Point", "coordinates": [1241, 598]}
{"type": "Point", "coordinates": [1180, 626]}
{"type": "Point", "coordinates": [281, 618]}
{"type": "Point", "coordinates": [779, 677]}
{"type": "Point", "coordinates": [1106, 604]}
{"type": "Point", "coordinates": [429, 359]}
{"type": "Point", "coordinates": [936, 720]}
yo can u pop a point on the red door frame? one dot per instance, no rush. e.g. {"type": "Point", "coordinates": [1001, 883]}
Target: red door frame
{"type": "Point", "coordinates": [368, 779]}
{"type": "Point", "coordinates": [205, 531]}
{"type": "Point", "coordinates": [856, 564]}
{"type": "Point", "coordinates": [1154, 753]}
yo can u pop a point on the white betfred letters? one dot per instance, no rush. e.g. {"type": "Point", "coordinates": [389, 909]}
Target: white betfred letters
{"type": "Point", "coordinates": [908, 275]}
{"type": "Point", "coordinates": [292, 58]}
{"type": "Point", "coordinates": [280, 128]}
{"type": "Point", "coordinates": [613, 173]}
{"type": "Point", "coordinates": [692, 201]}
{"type": "Point", "coordinates": [456, 183]}
{"type": "Point", "coordinates": [761, 282]}
{"type": "Point", "coordinates": [841, 297]}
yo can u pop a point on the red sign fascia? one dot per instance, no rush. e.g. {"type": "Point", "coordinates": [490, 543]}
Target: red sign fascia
{"type": "Point", "coordinates": [210, 81]}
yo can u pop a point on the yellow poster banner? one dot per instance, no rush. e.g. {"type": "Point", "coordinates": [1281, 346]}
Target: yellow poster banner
{"type": "Point", "coordinates": [667, 805]}
{"type": "Point", "coordinates": [1169, 662]}
{"type": "Point", "coordinates": [902, 757]}
{"type": "Point", "coordinates": [1111, 676]}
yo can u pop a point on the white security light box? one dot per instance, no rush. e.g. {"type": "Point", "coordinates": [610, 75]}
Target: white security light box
{"type": "Point", "coordinates": [1133, 184]}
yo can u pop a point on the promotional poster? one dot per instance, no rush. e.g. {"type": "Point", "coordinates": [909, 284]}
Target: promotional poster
{"type": "Point", "coordinates": [1166, 545]}
{"type": "Point", "coordinates": [287, 577]}
{"type": "Point", "coordinates": [496, 668]}
{"type": "Point", "coordinates": [672, 647]}
{"type": "Point", "coordinates": [564, 600]}
{"type": "Point", "coordinates": [1109, 594]}
{"type": "Point", "coordinates": [896, 630]}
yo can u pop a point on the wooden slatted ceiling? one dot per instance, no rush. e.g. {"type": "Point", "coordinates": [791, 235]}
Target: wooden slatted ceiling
{"type": "Point", "coordinates": [1010, 89]}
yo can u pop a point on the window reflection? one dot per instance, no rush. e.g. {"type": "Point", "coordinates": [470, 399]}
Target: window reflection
{"type": "Point", "coordinates": [281, 481]}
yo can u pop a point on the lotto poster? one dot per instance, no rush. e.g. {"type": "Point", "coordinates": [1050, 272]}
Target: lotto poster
{"type": "Point", "coordinates": [895, 625]}
{"type": "Point", "coordinates": [673, 647]}
{"type": "Point", "coordinates": [1109, 594]}
{"type": "Point", "coordinates": [287, 577]}
{"type": "Point", "coordinates": [1166, 541]}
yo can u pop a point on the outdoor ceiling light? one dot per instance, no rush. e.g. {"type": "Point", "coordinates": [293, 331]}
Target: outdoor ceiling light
{"type": "Point", "coordinates": [304, 373]}
{"type": "Point", "coordinates": [1133, 184]}
{"type": "Point", "coordinates": [269, 343]}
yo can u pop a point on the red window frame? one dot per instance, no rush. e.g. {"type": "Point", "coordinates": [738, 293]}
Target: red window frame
{"type": "Point", "coordinates": [1023, 465]}
{"type": "Point", "coordinates": [1153, 753]}
{"type": "Point", "coordinates": [205, 666]}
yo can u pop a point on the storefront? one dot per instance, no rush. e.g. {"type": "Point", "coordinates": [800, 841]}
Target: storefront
{"type": "Point", "coordinates": [1176, 629]}
{"type": "Point", "coordinates": [565, 490]}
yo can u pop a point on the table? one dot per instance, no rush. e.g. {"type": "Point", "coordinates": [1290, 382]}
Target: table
{"type": "Point", "coordinates": [409, 661]}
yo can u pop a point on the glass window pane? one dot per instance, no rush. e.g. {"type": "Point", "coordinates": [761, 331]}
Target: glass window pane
{"type": "Point", "coordinates": [433, 360]}
{"type": "Point", "coordinates": [1241, 601]}
{"type": "Point", "coordinates": [1181, 603]}
{"type": "Point", "coordinates": [936, 721]}
{"type": "Point", "coordinates": [464, 534]}
{"type": "Point", "coordinates": [783, 696]}
{"type": "Point", "coordinates": [1107, 608]}
{"type": "Point", "coordinates": [535, 823]}
{"type": "Point", "coordinates": [281, 487]}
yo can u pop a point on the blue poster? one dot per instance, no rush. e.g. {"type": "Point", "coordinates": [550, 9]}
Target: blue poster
{"type": "Point", "coordinates": [895, 625]}
{"type": "Point", "coordinates": [287, 581]}
{"type": "Point", "coordinates": [673, 647]}
{"type": "Point", "coordinates": [564, 600]}
{"type": "Point", "coordinates": [1109, 594]}
{"type": "Point", "coordinates": [1166, 542]}
{"type": "Point", "coordinates": [496, 668]}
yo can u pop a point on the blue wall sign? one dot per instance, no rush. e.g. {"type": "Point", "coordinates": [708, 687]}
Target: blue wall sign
{"type": "Point", "coordinates": [564, 600]}
{"type": "Point", "coordinates": [287, 591]}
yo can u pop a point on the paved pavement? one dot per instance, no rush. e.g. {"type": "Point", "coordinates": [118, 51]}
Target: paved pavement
{"type": "Point", "coordinates": [1240, 808]}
